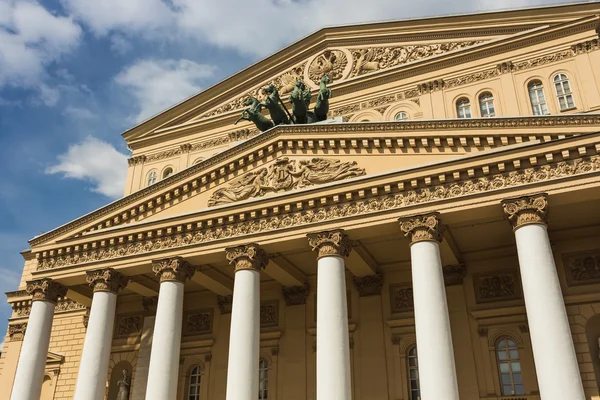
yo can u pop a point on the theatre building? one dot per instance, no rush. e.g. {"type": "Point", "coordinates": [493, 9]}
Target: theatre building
{"type": "Point", "coordinates": [434, 235]}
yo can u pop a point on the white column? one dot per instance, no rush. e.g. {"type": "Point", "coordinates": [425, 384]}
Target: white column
{"type": "Point", "coordinates": [166, 341]}
{"type": "Point", "coordinates": [553, 350]}
{"type": "Point", "coordinates": [333, 348]}
{"type": "Point", "coordinates": [244, 339]}
{"type": "Point", "coordinates": [93, 366]}
{"type": "Point", "coordinates": [34, 351]}
{"type": "Point", "coordinates": [437, 372]}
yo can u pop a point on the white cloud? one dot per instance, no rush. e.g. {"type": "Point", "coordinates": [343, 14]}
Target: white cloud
{"type": "Point", "coordinates": [119, 44]}
{"type": "Point", "coordinates": [94, 161]}
{"type": "Point", "coordinates": [158, 84]}
{"type": "Point", "coordinates": [79, 113]}
{"type": "Point", "coordinates": [49, 95]}
{"type": "Point", "coordinates": [31, 38]}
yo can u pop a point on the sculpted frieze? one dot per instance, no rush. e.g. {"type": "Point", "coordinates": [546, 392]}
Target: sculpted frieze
{"type": "Point", "coordinates": [283, 175]}
{"type": "Point", "coordinates": [401, 298]}
{"type": "Point", "coordinates": [333, 212]}
{"type": "Point", "coordinates": [496, 287]}
{"type": "Point", "coordinates": [582, 268]}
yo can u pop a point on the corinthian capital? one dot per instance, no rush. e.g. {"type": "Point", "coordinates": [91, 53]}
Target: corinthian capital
{"type": "Point", "coordinates": [527, 210]}
{"type": "Point", "coordinates": [106, 280]}
{"type": "Point", "coordinates": [330, 243]}
{"type": "Point", "coordinates": [174, 269]}
{"type": "Point", "coordinates": [45, 289]}
{"type": "Point", "coordinates": [248, 256]}
{"type": "Point", "coordinates": [422, 228]}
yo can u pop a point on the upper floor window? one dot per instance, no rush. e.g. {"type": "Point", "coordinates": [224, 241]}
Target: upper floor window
{"type": "Point", "coordinates": [151, 178]}
{"type": "Point", "coordinates": [537, 98]}
{"type": "Point", "coordinates": [413, 375]}
{"type": "Point", "coordinates": [194, 385]}
{"type": "Point", "coordinates": [198, 160]}
{"type": "Point", "coordinates": [463, 108]}
{"type": "Point", "coordinates": [167, 172]}
{"type": "Point", "coordinates": [263, 379]}
{"type": "Point", "coordinates": [563, 92]}
{"type": "Point", "coordinates": [401, 116]}
{"type": "Point", "coordinates": [509, 367]}
{"type": "Point", "coordinates": [486, 104]}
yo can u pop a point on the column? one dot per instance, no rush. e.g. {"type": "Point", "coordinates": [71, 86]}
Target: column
{"type": "Point", "coordinates": [93, 367]}
{"type": "Point", "coordinates": [166, 341]}
{"type": "Point", "coordinates": [437, 371]}
{"type": "Point", "coordinates": [244, 339]}
{"type": "Point", "coordinates": [553, 350]}
{"type": "Point", "coordinates": [333, 349]}
{"type": "Point", "coordinates": [34, 351]}
{"type": "Point", "coordinates": [140, 377]}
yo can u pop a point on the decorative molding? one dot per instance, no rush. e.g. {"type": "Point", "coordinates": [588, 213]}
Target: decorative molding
{"type": "Point", "coordinates": [483, 331]}
{"type": "Point", "coordinates": [454, 274]}
{"type": "Point", "coordinates": [269, 313]}
{"type": "Point", "coordinates": [330, 243]}
{"type": "Point", "coordinates": [526, 210]}
{"type": "Point", "coordinates": [582, 268]}
{"type": "Point", "coordinates": [431, 86]}
{"type": "Point", "coordinates": [150, 305]}
{"type": "Point", "coordinates": [16, 332]}
{"type": "Point", "coordinates": [420, 228]}
{"type": "Point", "coordinates": [45, 290]}
{"type": "Point", "coordinates": [86, 318]}
{"type": "Point", "coordinates": [128, 325]}
{"type": "Point", "coordinates": [539, 61]}
{"type": "Point", "coordinates": [225, 303]}
{"type": "Point", "coordinates": [474, 77]}
{"type": "Point", "coordinates": [201, 232]}
{"type": "Point", "coordinates": [249, 256]}
{"type": "Point", "coordinates": [66, 305]}
{"type": "Point", "coordinates": [401, 298]}
{"type": "Point", "coordinates": [295, 295]}
{"type": "Point", "coordinates": [498, 286]}
{"type": "Point", "coordinates": [586, 47]}
{"type": "Point", "coordinates": [190, 177]}
{"type": "Point", "coordinates": [284, 175]}
{"type": "Point", "coordinates": [369, 285]}
{"type": "Point", "coordinates": [198, 322]}
{"type": "Point", "coordinates": [137, 160]}
{"type": "Point", "coordinates": [106, 280]}
{"type": "Point", "coordinates": [174, 269]}
{"type": "Point", "coordinates": [333, 63]}
{"type": "Point", "coordinates": [23, 308]}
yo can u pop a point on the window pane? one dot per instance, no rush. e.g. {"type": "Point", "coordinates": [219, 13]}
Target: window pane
{"type": "Point", "coordinates": [519, 389]}
{"type": "Point", "coordinates": [515, 366]}
{"type": "Point", "coordinates": [507, 390]}
{"type": "Point", "coordinates": [514, 354]}
{"type": "Point", "coordinates": [570, 102]}
{"type": "Point", "coordinates": [506, 379]}
{"type": "Point", "coordinates": [504, 367]}
{"type": "Point", "coordinates": [517, 379]}
{"type": "Point", "coordinates": [502, 355]}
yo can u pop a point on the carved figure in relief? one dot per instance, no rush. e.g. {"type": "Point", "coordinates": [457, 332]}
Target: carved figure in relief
{"type": "Point", "coordinates": [365, 62]}
{"type": "Point", "coordinates": [285, 175]}
{"type": "Point", "coordinates": [253, 113]}
{"type": "Point", "coordinates": [322, 104]}
{"type": "Point", "coordinates": [124, 385]}
{"type": "Point", "coordinates": [300, 99]}
{"type": "Point", "coordinates": [331, 62]}
{"type": "Point", "coordinates": [275, 106]}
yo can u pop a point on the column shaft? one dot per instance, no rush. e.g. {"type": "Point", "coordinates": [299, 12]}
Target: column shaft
{"type": "Point", "coordinates": [554, 354]}
{"type": "Point", "coordinates": [244, 341]}
{"type": "Point", "coordinates": [32, 361]}
{"type": "Point", "coordinates": [93, 367]}
{"type": "Point", "coordinates": [333, 348]}
{"type": "Point", "coordinates": [437, 371]}
{"type": "Point", "coordinates": [166, 343]}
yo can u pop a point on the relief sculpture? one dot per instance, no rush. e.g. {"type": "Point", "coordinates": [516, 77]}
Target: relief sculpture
{"type": "Point", "coordinates": [285, 175]}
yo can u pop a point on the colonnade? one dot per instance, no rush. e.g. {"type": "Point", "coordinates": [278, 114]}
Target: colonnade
{"type": "Point", "coordinates": [554, 354]}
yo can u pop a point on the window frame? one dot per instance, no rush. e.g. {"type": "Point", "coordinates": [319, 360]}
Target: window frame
{"type": "Point", "coordinates": [538, 106]}
{"type": "Point", "coordinates": [153, 172]}
{"type": "Point", "coordinates": [263, 378]}
{"type": "Point", "coordinates": [406, 116]}
{"type": "Point", "coordinates": [563, 79]}
{"type": "Point", "coordinates": [197, 385]}
{"type": "Point", "coordinates": [412, 354]}
{"type": "Point", "coordinates": [485, 99]}
{"type": "Point", "coordinates": [463, 104]}
{"type": "Point", "coordinates": [509, 361]}
{"type": "Point", "coordinates": [167, 171]}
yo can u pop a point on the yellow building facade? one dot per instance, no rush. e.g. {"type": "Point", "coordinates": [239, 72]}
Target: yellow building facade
{"type": "Point", "coordinates": [439, 234]}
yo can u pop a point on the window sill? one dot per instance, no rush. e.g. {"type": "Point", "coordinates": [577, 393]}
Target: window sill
{"type": "Point", "coordinates": [568, 109]}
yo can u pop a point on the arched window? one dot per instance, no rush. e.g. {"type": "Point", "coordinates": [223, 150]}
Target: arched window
{"type": "Point", "coordinates": [509, 367]}
{"type": "Point", "coordinates": [194, 385]}
{"type": "Point", "coordinates": [151, 178]}
{"type": "Point", "coordinates": [198, 160]}
{"type": "Point", "coordinates": [413, 375]}
{"type": "Point", "coordinates": [537, 98]}
{"type": "Point", "coordinates": [401, 116]}
{"type": "Point", "coordinates": [563, 92]}
{"type": "Point", "coordinates": [263, 379]}
{"type": "Point", "coordinates": [486, 105]}
{"type": "Point", "coordinates": [463, 108]}
{"type": "Point", "coordinates": [167, 172]}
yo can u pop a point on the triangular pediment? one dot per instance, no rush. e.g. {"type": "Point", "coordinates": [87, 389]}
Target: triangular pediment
{"type": "Point", "coordinates": [353, 56]}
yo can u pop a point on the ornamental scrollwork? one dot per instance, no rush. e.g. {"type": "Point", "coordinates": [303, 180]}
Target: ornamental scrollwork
{"type": "Point", "coordinates": [197, 322]}
{"type": "Point", "coordinates": [497, 287]}
{"type": "Point", "coordinates": [331, 63]}
{"type": "Point", "coordinates": [420, 228]}
{"type": "Point", "coordinates": [401, 298]}
{"type": "Point", "coordinates": [46, 290]}
{"type": "Point", "coordinates": [334, 212]}
{"type": "Point", "coordinates": [16, 332]}
{"type": "Point", "coordinates": [369, 285]}
{"type": "Point", "coordinates": [106, 280]}
{"type": "Point", "coordinates": [330, 243]}
{"type": "Point", "coordinates": [128, 325]}
{"type": "Point", "coordinates": [285, 174]}
{"type": "Point", "coordinates": [269, 314]}
{"type": "Point", "coordinates": [295, 295]}
{"type": "Point", "coordinates": [174, 269]}
{"type": "Point", "coordinates": [526, 210]}
{"type": "Point", "coordinates": [249, 256]}
{"type": "Point", "coordinates": [582, 268]}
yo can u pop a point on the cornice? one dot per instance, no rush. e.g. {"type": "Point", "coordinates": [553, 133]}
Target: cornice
{"type": "Point", "coordinates": [201, 175]}
{"type": "Point", "coordinates": [567, 159]}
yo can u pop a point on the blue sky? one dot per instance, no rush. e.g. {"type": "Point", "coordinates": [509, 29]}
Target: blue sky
{"type": "Point", "coordinates": [74, 74]}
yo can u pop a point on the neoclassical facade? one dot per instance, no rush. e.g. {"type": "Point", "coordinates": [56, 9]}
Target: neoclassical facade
{"type": "Point", "coordinates": [438, 237]}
